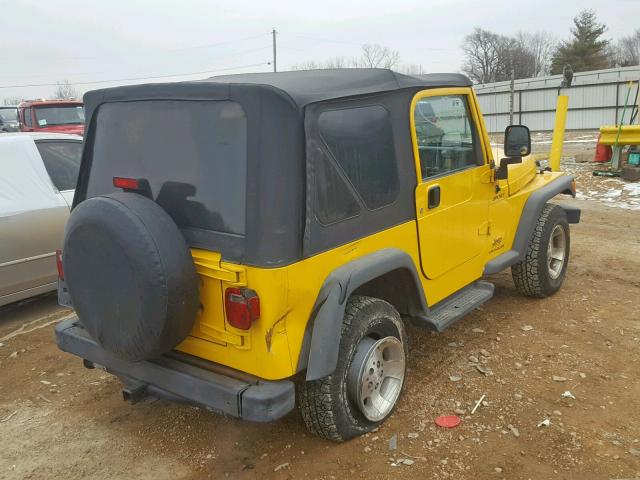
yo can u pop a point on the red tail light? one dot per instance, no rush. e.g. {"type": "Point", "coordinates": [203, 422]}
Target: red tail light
{"type": "Point", "coordinates": [126, 183]}
{"type": "Point", "coordinates": [59, 264]}
{"type": "Point", "coordinates": [242, 307]}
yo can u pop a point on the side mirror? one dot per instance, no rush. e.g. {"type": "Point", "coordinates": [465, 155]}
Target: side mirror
{"type": "Point", "coordinates": [517, 141]}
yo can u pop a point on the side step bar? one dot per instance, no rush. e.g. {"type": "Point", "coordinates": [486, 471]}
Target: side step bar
{"type": "Point", "coordinates": [453, 308]}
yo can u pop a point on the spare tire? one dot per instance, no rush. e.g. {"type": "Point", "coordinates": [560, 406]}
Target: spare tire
{"type": "Point", "coordinates": [130, 275]}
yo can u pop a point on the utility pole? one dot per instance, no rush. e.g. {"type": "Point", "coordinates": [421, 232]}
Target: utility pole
{"type": "Point", "coordinates": [273, 32]}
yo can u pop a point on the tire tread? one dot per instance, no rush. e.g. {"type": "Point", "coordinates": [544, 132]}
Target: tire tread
{"type": "Point", "coordinates": [315, 397]}
{"type": "Point", "coordinates": [526, 274]}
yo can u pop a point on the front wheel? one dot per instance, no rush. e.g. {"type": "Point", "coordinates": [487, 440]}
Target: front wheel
{"type": "Point", "coordinates": [544, 267]}
{"type": "Point", "coordinates": [363, 390]}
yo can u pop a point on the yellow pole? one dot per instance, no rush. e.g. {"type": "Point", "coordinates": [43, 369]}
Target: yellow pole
{"type": "Point", "coordinates": [558, 132]}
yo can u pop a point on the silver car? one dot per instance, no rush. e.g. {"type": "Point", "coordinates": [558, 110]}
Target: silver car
{"type": "Point", "coordinates": [38, 174]}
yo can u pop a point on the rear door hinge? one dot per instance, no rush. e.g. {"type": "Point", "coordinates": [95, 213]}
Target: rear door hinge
{"type": "Point", "coordinates": [209, 264]}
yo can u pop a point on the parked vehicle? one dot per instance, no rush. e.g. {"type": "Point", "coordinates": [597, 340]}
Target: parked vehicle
{"type": "Point", "coordinates": [38, 174]}
{"type": "Point", "coordinates": [286, 227]}
{"type": "Point", "coordinates": [56, 116]}
{"type": "Point", "coordinates": [9, 119]}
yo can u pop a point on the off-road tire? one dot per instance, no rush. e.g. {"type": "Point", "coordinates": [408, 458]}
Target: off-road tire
{"type": "Point", "coordinates": [531, 276]}
{"type": "Point", "coordinates": [324, 404]}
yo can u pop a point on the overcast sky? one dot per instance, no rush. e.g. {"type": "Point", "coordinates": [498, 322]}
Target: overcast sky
{"type": "Point", "coordinates": [43, 42]}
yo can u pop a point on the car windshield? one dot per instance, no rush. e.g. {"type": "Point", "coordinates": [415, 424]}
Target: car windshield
{"type": "Point", "coordinates": [8, 114]}
{"type": "Point", "coordinates": [60, 115]}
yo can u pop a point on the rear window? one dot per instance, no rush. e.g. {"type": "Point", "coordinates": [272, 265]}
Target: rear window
{"type": "Point", "coordinates": [62, 161]}
{"type": "Point", "coordinates": [192, 153]}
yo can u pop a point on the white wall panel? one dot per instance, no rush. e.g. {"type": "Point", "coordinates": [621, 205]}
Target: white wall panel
{"type": "Point", "coordinates": [592, 100]}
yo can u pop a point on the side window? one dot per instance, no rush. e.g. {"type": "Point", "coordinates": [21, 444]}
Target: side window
{"type": "Point", "coordinates": [333, 198]}
{"type": "Point", "coordinates": [360, 141]}
{"type": "Point", "coordinates": [445, 135]}
{"type": "Point", "coordinates": [62, 161]}
{"type": "Point", "coordinates": [27, 117]}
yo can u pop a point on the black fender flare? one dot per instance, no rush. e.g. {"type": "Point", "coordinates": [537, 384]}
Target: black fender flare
{"type": "Point", "coordinates": [530, 213]}
{"type": "Point", "coordinates": [319, 353]}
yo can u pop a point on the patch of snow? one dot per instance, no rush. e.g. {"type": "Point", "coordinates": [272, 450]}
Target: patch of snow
{"type": "Point", "coordinates": [612, 193]}
{"type": "Point", "coordinates": [547, 142]}
{"type": "Point", "coordinates": [632, 189]}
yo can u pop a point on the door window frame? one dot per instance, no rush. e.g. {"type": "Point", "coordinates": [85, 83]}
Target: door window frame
{"type": "Point", "coordinates": [479, 133]}
{"type": "Point", "coordinates": [26, 114]}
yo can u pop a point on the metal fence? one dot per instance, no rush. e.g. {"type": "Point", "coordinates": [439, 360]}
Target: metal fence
{"type": "Point", "coordinates": [596, 98]}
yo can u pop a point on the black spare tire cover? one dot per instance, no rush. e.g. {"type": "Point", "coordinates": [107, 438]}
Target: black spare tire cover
{"type": "Point", "coordinates": [130, 275]}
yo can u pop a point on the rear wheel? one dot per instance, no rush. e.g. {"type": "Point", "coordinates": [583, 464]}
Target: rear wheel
{"type": "Point", "coordinates": [363, 390]}
{"type": "Point", "coordinates": [544, 267]}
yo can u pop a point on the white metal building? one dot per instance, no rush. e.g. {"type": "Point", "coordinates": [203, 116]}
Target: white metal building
{"type": "Point", "coordinates": [596, 98]}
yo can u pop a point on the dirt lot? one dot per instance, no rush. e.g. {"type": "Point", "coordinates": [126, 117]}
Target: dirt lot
{"type": "Point", "coordinates": [59, 420]}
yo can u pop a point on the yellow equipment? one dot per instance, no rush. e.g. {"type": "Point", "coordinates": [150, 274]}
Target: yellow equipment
{"type": "Point", "coordinates": [558, 132]}
{"type": "Point", "coordinates": [629, 135]}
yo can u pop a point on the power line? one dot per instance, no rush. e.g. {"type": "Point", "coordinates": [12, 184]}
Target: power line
{"type": "Point", "coordinates": [231, 54]}
{"type": "Point", "coordinates": [326, 40]}
{"type": "Point", "coordinates": [165, 52]}
{"type": "Point", "coordinates": [329, 40]}
{"type": "Point", "coordinates": [137, 78]}
{"type": "Point", "coordinates": [286, 47]}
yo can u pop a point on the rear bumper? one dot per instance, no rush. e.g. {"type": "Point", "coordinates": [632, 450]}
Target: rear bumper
{"type": "Point", "coordinates": [258, 400]}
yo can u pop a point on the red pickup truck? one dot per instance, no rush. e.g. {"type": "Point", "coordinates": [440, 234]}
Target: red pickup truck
{"type": "Point", "coordinates": [60, 116]}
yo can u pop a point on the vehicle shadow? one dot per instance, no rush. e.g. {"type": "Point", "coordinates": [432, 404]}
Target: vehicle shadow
{"type": "Point", "coordinates": [43, 307]}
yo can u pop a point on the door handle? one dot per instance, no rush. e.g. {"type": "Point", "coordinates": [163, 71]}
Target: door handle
{"type": "Point", "coordinates": [433, 197]}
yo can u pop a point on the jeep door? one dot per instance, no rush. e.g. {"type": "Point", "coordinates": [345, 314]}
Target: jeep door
{"type": "Point", "coordinates": [454, 188]}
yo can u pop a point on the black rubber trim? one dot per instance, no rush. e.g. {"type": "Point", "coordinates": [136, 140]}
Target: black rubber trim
{"type": "Point", "coordinates": [573, 213]}
{"type": "Point", "coordinates": [262, 401]}
{"type": "Point", "coordinates": [530, 213]}
{"type": "Point", "coordinates": [320, 353]}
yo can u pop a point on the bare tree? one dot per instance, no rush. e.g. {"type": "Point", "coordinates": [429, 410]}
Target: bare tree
{"type": "Point", "coordinates": [65, 91]}
{"type": "Point", "coordinates": [306, 65]}
{"type": "Point", "coordinates": [540, 46]}
{"type": "Point", "coordinates": [377, 56]}
{"type": "Point", "coordinates": [12, 101]}
{"type": "Point", "coordinates": [490, 57]}
{"type": "Point", "coordinates": [411, 69]}
{"type": "Point", "coordinates": [626, 51]}
{"type": "Point", "coordinates": [335, 62]}
{"type": "Point", "coordinates": [373, 56]}
{"type": "Point", "coordinates": [482, 50]}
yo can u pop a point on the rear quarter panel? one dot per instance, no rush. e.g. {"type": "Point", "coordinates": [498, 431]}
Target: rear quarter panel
{"type": "Point", "coordinates": [271, 348]}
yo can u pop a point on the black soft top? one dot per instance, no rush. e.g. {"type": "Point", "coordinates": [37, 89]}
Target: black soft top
{"type": "Point", "coordinates": [310, 86]}
{"type": "Point", "coordinates": [281, 111]}
{"type": "Point", "coordinates": [300, 88]}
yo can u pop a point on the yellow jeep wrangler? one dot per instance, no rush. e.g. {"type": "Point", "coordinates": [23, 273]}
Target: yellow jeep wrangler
{"type": "Point", "coordinates": [239, 241]}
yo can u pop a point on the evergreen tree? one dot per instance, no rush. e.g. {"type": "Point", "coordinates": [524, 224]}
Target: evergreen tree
{"type": "Point", "coordinates": [586, 50]}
